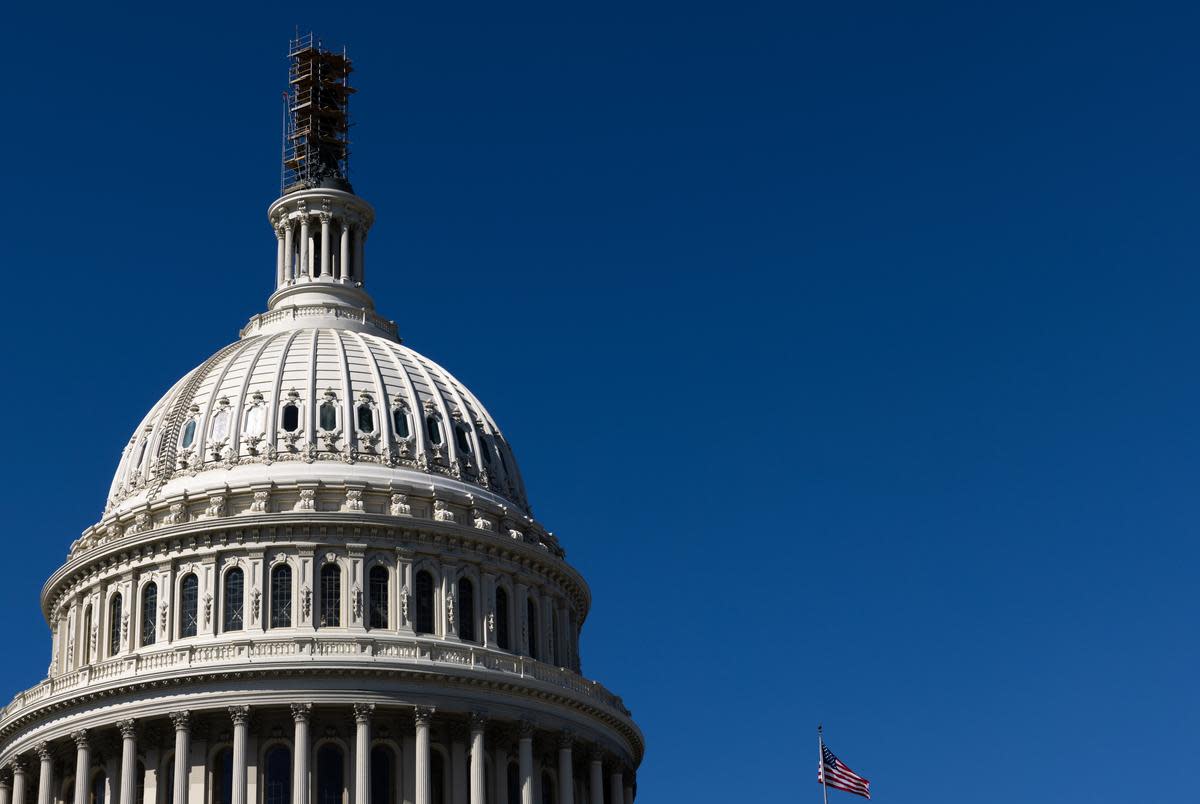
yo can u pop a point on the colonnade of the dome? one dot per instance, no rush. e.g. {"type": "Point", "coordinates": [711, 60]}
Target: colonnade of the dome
{"type": "Point", "coordinates": [306, 753]}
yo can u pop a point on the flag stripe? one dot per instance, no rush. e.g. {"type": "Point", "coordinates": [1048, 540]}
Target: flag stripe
{"type": "Point", "coordinates": [836, 774]}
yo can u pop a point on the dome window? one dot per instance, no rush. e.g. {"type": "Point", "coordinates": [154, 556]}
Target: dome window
{"type": "Point", "coordinates": [424, 603]}
{"type": "Point", "coordinates": [189, 606]}
{"type": "Point", "coordinates": [256, 420]}
{"type": "Point", "coordinates": [189, 434]}
{"type": "Point", "coordinates": [377, 589]}
{"type": "Point", "coordinates": [502, 618]}
{"type": "Point", "coordinates": [235, 585]}
{"type": "Point", "coordinates": [220, 428]}
{"type": "Point", "coordinates": [400, 422]}
{"type": "Point", "coordinates": [366, 419]}
{"type": "Point", "coordinates": [434, 427]}
{"type": "Point", "coordinates": [328, 419]}
{"type": "Point", "coordinates": [464, 443]}
{"type": "Point", "coordinates": [466, 610]}
{"type": "Point", "coordinates": [149, 608]}
{"type": "Point", "coordinates": [281, 596]}
{"type": "Point", "coordinates": [331, 596]}
{"type": "Point", "coordinates": [291, 418]}
{"type": "Point", "coordinates": [114, 625]}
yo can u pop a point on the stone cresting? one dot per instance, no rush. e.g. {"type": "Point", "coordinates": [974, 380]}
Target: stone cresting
{"type": "Point", "coordinates": [318, 542]}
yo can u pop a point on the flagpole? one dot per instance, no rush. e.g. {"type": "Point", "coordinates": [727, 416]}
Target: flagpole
{"type": "Point", "coordinates": [821, 764]}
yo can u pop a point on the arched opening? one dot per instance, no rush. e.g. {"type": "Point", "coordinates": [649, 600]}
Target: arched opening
{"type": "Point", "coordinates": [87, 636]}
{"type": "Point", "coordinates": [377, 597]}
{"type": "Point", "coordinates": [98, 788]}
{"type": "Point", "coordinates": [189, 605]}
{"type": "Point", "coordinates": [277, 776]}
{"type": "Point", "coordinates": [281, 596]}
{"type": "Point", "coordinates": [233, 598]}
{"type": "Point", "coordinates": [466, 610]}
{"type": "Point", "coordinates": [549, 793]}
{"type": "Point", "coordinates": [502, 618]}
{"type": "Point", "coordinates": [140, 781]}
{"type": "Point", "coordinates": [514, 783]}
{"type": "Point", "coordinates": [330, 774]}
{"type": "Point", "coordinates": [222, 777]}
{"type": "Point", "coordinates": [114, 625]}
{"type": "Point", "coordinates": [555, 653]}
{"type": "Point", "coordinates": [383, 775]}
{"type": "Point", "coordinates": [531, 626]}
{"type": "Point", "coordinates": [434, 428]}
{"type": "Point", "coordinates": [331, 596]}
{"type": "Point", "coordinates": [167, 796]}
{"type": "Point", "coordinates": [400, 422]}
{"type": "Point", "coordinates": [437, 778]}
{"type": "Point", "coordinates": [424, 603]}
{"type": "Point", "coordinates": [149, 613]}
{"type": "Point", "coordinates": [462, 439]}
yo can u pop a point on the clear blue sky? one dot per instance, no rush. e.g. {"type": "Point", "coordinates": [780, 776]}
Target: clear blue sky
{"type": "Point", "coordinates": [850, 349]}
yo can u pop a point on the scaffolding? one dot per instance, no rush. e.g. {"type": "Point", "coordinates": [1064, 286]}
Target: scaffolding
{"type": "Point", "coordinates": [316, 141]}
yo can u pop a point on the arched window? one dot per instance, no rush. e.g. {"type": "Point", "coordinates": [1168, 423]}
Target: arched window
{"type": "Point", "coordinates": [434, 427]}
{"type": "Point", "coordinates": [382, 775]}
{"type": "Point", "coordinates": [377, 596]}
{"type": "Point", "coordinates": [502, 618]}
{"type": "Point", "coordinates": [149, 613]}
{"type": "Point", "coordinates": [366, 419]}
{"type": "Point", "coordinates": [99, 785]}
{"type": "Point", "coordinates": [331, 595]}
{"type": "Point", "coordinates": [400, 422]}
{"type": "Point", "coordinates": [281, 596]}
{"type": "Point", "coordinates": [277, 776]}
{"type": "Point", "coordinates": [424, 603]}
{"type": "Point", "coordinates": [437, 778]}
{"type": "Point", "coordinates": [466, 610]}
{"type": "Point", "coordinates": [328, 416]}
{"type": "Point", "coordinates": [531, 626]}
{"type": "Point", "coordinates": [222, 777]}
{"type": "Point", "coordinates": [189, 605]}
{"type": "Point", "coordinates": [461, 438]}
{"type": "Point", "coordinates": [114, 625]}
{"type": "Point", "coordinates": [189, 434]}
{"type": "Point", "coordinates": [234, 598]}
{"type": "Point", "coordinates": [330, 774]}
{"type": "Point", "coordinates": [290, 420]}
{"type": "Point", "coordinates": [87, 635]}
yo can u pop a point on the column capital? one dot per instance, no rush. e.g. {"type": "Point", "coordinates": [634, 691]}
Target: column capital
{"type": "Point", "coordinates": [5, 778]}
{"type": "Point", "coordinates": [182, 719]}
{"type": "Point", "coordinates": [566, 739]}
{"type": "Point", "coordinates": [301, 712]}
{"type": "Point", "coordinates": [526, 728]}
{"type": "Point", "coordinates": [128, 728]}
{"type": "Point", "coordinates": [18, 764]}
{"type": "Point", "coordinates": [423, 715]}
{"type": "Point", "coordinates": [80, 737]}
{"type": "Point", "coordinates": [43, 751]}
{"type": "Point", "coordinates": [240, 715]}
{"type": "Point", "coordinates": [477, 721]}
{"type": "Point", "coordinates": [362, 712]}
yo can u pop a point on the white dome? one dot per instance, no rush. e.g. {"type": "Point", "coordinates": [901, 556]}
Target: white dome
{"type": "Point", "coordinates": [282, 405]}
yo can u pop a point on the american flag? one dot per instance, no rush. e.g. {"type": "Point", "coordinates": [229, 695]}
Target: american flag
{"type": "Point", "coordinates": [834, 773]}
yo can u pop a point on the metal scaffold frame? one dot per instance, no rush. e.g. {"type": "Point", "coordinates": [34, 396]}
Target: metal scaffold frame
{"type": "Point", "coordinates": [316, 141]}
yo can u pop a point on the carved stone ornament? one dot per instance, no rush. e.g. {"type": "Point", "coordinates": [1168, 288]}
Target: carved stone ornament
{"type": "Point", "coordinates": [80, 737]}
{"type": "Point", "coordinates": [423, 715]}
{"type": "Point", "coordinates": [354, 500]}
{"type": "Point", "coordinates": [442, 512]}
{"type": "Point", "coordinates": [261, 503]}
{"type": "Point", "coordinates": [181, 720]}
{"type": "Point", "coordinates": [481, 521]}
{"type": "Point", "coordinates": [404, 605]}
{"type": "Point", "coordinates": [301, 712]}
{"type": "Point", "coordinates": [216, 506]}
{"type": "Point", "coordinates": [208, 604]}
{"type": "Point", "coordinates": [362, 712]}
{"type": "Point", "coordinates": [450, 610]}
{"type": "Point", "coordinates": [124, 627]}
{"type": "Point", "coordinates": [305, 601]}
{"type": "Point", "coordinates": [400, 506]}
{"type": "Point", "coordinates": [240, 715]}
{"type": "Point", "coordinates": [513, 533]}
{"type": "Point", "coordinates": [491, 622]}
{"type": "Point", "coordinates": [356, 597]}
{"type": "Point", "coordinates": [162, 616]}
{"type": "Point", "coordinates": [178, 514]}
{"type": "Point", "coordinates": [128, 728]}
{"type": "Point", "coordinates": [307, 500]}
{"type": "Point", "coordinates": [255, 602]}
{"type": "Point", "coordinates": [141, 522]}
{"type": "Point", "coordinates": [43, 751]}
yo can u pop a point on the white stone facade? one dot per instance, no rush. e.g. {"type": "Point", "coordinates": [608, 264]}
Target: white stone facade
{"type": "Point", "coordinates": [317, 580]}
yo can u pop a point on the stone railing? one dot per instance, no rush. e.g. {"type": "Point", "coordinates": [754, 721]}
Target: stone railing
{"type": "Point", "coordinates": [299, 311]}
{"type": "Point", "coordinates": [399, 653]}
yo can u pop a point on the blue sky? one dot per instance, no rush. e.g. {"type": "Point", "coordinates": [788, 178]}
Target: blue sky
{"type": "Point", "coordinates": [850, 350]}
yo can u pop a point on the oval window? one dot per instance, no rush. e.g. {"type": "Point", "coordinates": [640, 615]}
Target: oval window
{"type": "Point", "coordinates": [189, 434]}
{"type": "Point", "coordinates": [464, 443]}
{"type": "Point", "coordinates": [328, 416]}
{"type": "Point", "coordinates": [291, 418]}
{"type": "Point", "coordinates": [366, 419]}
{"type": "Point", "coordinates": [400, 423]}
{"type": "Point", "coordinates": [256, 420]}
{"type": "Point", "coordinates": [435, 429]}
{"type": "Point", "coordinates": [221, 424]}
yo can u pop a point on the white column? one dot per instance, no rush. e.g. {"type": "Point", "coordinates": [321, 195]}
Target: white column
{"type": "Point", "coordinates": [19, 780]}
{"type": "Point", "coordinates": [240, 715]}
{"type": "Point", "coordinates": [478, 783]}
{"type": "Point", "coordinates": [524, 759]}
{"type": "Point", "coordinates": [45, 772]}
{"type": "Point", "coordinates": [344, 252]}
{"type": "Point", "coordinates": [289, 252]}
{"type": "Point", "coordinates": [422, 717]}
{"type": "Point", "coordinates": [5, 791]}
{"type": "Point", "coordinates": [279, 256]}
{"type": "Point", "coordinates": [566, 769]}
{"type": "Point", "coordinates": [325, 244]}
{"type": "Point", "coordinates": [616, 783]}
{"type": "Point", "coordinates": [128, 760]}
{"type": "Point", "coordinates": [300, 751]}
{"type": "Point", "coordinates": [500, 775]}
{"type": "Point", "coordinates": [596, 769]}
{"type": "Point", "coordinates": [183, 747]}
{"type": "Point", "coordinates": [83, 765]}
{"type": "Point", "coordinates": [305, 267]}
{"type": "Point", "coordinates": [362, 753]}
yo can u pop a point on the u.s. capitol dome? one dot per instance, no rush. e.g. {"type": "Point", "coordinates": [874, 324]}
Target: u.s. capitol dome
{"type": "Point", "coordinates": [317, 578]}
